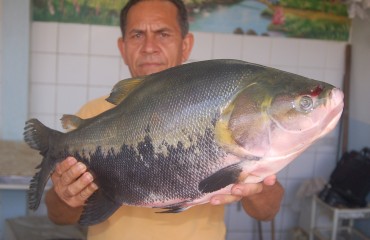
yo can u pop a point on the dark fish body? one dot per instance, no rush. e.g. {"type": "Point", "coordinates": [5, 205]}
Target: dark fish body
{"type": "Point", "coordinates": [180, 136]}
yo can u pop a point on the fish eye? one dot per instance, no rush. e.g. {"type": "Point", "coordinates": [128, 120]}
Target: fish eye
{"type": "Point", "coordinates": [306, 103]}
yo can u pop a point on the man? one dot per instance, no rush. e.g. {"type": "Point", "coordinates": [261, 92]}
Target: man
{"type": "Point", "coordinates": [154, 37]}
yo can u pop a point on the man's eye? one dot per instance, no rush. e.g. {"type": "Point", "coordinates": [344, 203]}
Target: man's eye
{"type": "Point", "coordinates": [137, 35]}
{"type": "Point", "coordinates": [164, 34]}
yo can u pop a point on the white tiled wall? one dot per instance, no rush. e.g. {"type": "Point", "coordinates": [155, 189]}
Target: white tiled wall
{"type": "Point", "coordinates": [72, 63]}
{"type": "Point", "coordinates": [1, 57]}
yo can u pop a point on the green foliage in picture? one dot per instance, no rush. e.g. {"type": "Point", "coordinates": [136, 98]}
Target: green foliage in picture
{"type": "Point", "coordinates": [101, 12]}
{"type": "Point", "coordinates": [319, 19]}
{"type": "Point", "coordinates": [311, 19]}
{"type": "Point", "coordinates": [333, 6]}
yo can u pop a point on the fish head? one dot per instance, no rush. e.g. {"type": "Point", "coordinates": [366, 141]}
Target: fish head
{"type": "Point", "coordinates": [281, 114]}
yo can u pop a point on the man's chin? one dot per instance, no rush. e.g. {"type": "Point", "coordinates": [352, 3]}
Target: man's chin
{"type": "Point", "coordinates": [147, 70]}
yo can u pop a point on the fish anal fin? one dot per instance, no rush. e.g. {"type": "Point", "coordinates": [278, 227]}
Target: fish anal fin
{"type": "Point", "coordinates": [97, 209]}
{"type": "Point", "coordinates": [175, 210]}
{"type": "Point", "coordinates": [122, 89]}
{"type": "Point", "coordinates": [71, 121]}
{"type": "Point", "coordinates": [221, 178]}
{"type": "Point", "coordinates": [38, 183]}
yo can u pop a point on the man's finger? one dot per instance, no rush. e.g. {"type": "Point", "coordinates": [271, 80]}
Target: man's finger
{"type": "Point", "coordinates": [88, 191]}
{"type": "Point", "coordinates": [78, 186]}
{"type": "Point", "coordinates": [224, 199]}
{"type": "Point", "coordinates": [73, 173]}
{"type": "Point", "coordinates": [65, 165]}
{"type": "Point", "coordinates": [270, 180]}
{"type": "Point", "coordinates": [244, 190]}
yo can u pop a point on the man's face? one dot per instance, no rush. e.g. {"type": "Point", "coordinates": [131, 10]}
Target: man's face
{"type": "Point", "coordinates": [153, 40]}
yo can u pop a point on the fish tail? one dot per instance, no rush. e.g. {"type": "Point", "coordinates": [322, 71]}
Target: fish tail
{"type": "Point", "coordinates": [38, 137]}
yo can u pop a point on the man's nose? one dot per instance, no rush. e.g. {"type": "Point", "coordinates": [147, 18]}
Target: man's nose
{"type": "Point", "coordinates": [150, 44]}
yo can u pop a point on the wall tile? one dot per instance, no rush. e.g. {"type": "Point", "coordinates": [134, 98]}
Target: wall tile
{"type": "Point", "coordinates": [290, 219]}
{"type": "Point", "coordinates": [313, 73]}
{"type": "Point", "coordinates": [290, 69]}
{"type": "Point", "coordinates": [104, 71]}
{"type": "Point", "coordinates": [70, 99]}
{"type": "Point", "coordinates": [46, 119]}
{"type": "Point", "coordinates": [43, 68]}
{"type": "Point", "coordinates": [72, 69]}
{"type": "Point", "coordinates": [1, 65]}
{"type": "Point", "coordinates": [104, 40]}
{"type": "Point", "coordinates": [44, 37]}
{"type": "Point", "coordinates": [279, 219]}
{"type": "Point", "coordinates": [124, 72]}
{"type": "Point", "coordinates": [1, 31]}
{"type": "Point", "coordinates": [335, 55]}
{"type": "Point", "coordinates": [284, 52]}
{"type": "Point", "coordinates": [282, 174]}
{"type": "Point", "coordinates": [327, 145]}
{"type": "Point", "coordinates": [42, 98]}
{"type": "Point", "coordinates": [302, 167]}
{"type": "Point", "coordinates": [312, 53]}
{"type": "Point", "coordinates": [291, 189]}
{"type": "Point", "coordinates": [238, 219]}
{"type": "Point", "coordinates": [257, 49]}
{"type": "Point", "coordinates": [227, 46]}
{"type": "Point", "coordinates": [241, 235]}
{"type": "Point", "coordinates": [324, 165]}
{"type": "Point", "coordinates": [334, 134]}
{"type": "Point", "coordinates": [73, 38]}
{"type": "Point", "coordinates": [334, 77]}
{"type": "Point", "coordinates": [96, 92]}
{"type": "Point", "coordinates": [1, 84]}
{"type": "Point", "coordinates": [203, 46]}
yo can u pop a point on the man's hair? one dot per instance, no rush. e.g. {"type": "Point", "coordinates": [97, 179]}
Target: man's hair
{"type": "Point", "coordinates": [182, 15]}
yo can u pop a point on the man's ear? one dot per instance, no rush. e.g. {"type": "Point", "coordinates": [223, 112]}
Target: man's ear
{"type": "Point", "coordinates": [121, 47]}
{"type": "Point", "coordinates": [187, 46]}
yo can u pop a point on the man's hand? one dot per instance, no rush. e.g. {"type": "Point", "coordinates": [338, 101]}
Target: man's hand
{"type": "Point", "coordinates": [260, 200]}
{"type": "Point", "coordinates": [238, 191]}
{"type": "Point", "coordinates": [72, 183]}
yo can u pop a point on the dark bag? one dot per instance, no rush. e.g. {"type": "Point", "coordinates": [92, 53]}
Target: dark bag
{"type": "Point", "coordinates": [349, 183]}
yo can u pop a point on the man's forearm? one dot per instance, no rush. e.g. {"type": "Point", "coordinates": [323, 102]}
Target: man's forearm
{"type": "Point", "coordinates": [59, 212]}
{"type": "Point", "coordinates": [266, 204]}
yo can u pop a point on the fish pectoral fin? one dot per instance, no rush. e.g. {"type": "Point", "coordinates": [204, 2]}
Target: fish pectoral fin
{"type": "Point", "coordinates": [71, 121]}
{"type": "Point", "coordinates": [97, 209]}
{"type": "Point", "coordinates": [221, 178]}
{"type": "Point", "coordinates": [122, 89]}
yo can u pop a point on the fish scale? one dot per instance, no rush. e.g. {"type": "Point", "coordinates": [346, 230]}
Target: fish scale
{"type": "Point", "coordinates": [178, 137]}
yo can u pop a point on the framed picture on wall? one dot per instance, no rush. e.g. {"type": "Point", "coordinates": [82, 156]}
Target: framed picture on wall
{"type": "Point", "coordinates": [315, 19]}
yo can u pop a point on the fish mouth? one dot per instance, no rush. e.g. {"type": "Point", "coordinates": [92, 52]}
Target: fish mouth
{"type": "Point", "coordinates": [337, 104]}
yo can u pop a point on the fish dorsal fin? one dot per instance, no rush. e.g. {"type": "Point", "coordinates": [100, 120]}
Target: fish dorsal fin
{"type": "Point", "coordinates": [71, 122]}
{"type": "Point", "coordinates": [122, 89]}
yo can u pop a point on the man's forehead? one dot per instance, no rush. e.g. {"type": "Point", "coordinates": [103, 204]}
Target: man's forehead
{"type": "Point", "coordinates": [160, 5]}
{"type": "Point", "coordinates": [154, 13]}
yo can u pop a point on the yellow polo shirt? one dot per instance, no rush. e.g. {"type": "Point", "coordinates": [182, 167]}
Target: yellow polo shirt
{"type": "Point", "coordinates": [136, 223]}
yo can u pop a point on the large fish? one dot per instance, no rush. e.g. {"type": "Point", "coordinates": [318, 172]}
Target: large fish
{"type": "Point", "coordinates": [182, 135]}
